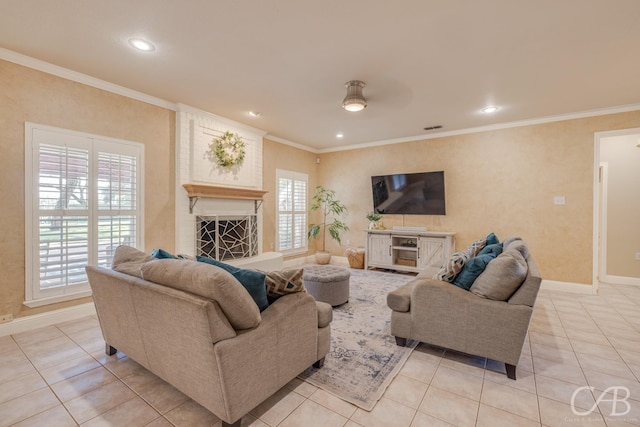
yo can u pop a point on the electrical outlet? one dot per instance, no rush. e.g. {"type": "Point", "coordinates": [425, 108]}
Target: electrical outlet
{"type": "Point", "coordinates": [637, 256]}
{"type": "Point", "coordinates": [6, 318]}
{"type": "Point", "coordinates": [558, 200]}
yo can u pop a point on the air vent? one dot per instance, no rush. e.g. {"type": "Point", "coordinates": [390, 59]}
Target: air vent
{"type": "Point", "coordinates": [433, 127]}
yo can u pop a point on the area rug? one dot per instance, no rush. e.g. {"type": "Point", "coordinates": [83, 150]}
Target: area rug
{"type": "Point", "coordinates": [364, 357]}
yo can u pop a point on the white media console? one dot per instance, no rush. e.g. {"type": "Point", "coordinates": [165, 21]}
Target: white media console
{"type": "Point", "coordinates": [408, 250]}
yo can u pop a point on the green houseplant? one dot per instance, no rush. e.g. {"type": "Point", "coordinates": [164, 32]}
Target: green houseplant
{"type": "Point", "coordinates": [332, 210]}
{"type": "Point", "coordinates": [374, 220]}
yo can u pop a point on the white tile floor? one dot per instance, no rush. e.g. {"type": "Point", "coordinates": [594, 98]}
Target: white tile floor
{"type": "Point", "coordinates": [60, 376]}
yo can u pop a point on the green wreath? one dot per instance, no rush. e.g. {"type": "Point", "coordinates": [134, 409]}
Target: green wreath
{"type": "Point", "coordinates": [227, 150]}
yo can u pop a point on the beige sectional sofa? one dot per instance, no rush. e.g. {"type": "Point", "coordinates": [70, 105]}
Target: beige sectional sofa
{"type": "Point", "coordinates": [196, 327]}
{"type": "Point", "coordinates": [489, 320]}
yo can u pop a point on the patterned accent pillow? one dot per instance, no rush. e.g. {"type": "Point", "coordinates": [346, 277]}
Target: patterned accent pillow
{"type": "Point", "coordinates": [284, 282]}
{"type": "Point", "coordinates": [477, 246]}
{"type": "Point", "coordinates": [453, 266]}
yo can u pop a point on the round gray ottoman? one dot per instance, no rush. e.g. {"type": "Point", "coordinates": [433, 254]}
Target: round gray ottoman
{"type": "Point", "coordinates": [327, 283]}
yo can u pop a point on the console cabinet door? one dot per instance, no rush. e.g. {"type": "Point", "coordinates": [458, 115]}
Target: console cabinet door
{"type": "Point", "coordinates": [431, 252]}
{"type": "Point", "coordinates": [379, 249]}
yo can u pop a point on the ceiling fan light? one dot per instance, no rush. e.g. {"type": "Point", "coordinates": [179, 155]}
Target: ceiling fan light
{"type": "Point", "coordinates": [354, 101]}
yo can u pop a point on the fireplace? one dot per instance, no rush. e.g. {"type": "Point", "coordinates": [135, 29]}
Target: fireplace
{"type": "Point", "coordinates": [227, 237]}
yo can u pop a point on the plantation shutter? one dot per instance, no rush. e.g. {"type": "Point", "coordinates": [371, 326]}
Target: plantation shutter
{"type": "Point", "coordinates": [63, 215]}
{"type": "Point", "coordinates": [117, 202]}
{"type": "Point", "coordinates": [292, 211]}
{"type": "Point", "coordinates": [83, 200]}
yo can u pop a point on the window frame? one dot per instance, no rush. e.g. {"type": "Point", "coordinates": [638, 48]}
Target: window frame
{"type": "Point", "coordinates": [294, 176]}
{"type": "Point", "coordinates": [35, 135]}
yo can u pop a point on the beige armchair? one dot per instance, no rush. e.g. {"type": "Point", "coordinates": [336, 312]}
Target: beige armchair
{"type": "Point", "coordinates": [439, 313]}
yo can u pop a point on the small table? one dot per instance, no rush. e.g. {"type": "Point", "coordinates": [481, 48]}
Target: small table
{"type": "Point", "coordinates": [327, 283]}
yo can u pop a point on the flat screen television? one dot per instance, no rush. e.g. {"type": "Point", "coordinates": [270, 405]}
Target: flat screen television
{"type": "Point", "coordinates": [409, 193]}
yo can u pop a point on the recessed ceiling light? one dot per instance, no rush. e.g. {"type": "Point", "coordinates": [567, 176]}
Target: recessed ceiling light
{"type": "Point", "coordinates": [339, 135]}
{"type": "Point", "coordinates": [142, 45]}
{"type": "Point", "coordinates": [489, 110]}
{"type": "Point", "coordinates": [254, 113]}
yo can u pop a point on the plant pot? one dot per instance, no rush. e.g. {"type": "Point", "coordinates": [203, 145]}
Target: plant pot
{"type": "Point", "coordinates": [323, 258]}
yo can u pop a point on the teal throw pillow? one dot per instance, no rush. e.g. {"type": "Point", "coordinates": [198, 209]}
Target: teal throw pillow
{"type": "Point", "coordinates": [492, 239]}
{"type": "Point", "coordinates": [252, 280]}
{"type": "Point", "coordinates": [476, 265]}
{"type": "Point", "coordinates": [161, 254]}
{"type": "Point", "coordinates": [495, 248]}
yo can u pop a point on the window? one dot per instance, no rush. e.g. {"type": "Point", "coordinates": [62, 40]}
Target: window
{"type": "Point", "coordinates": [83, 199]}
{"type": "Point", "coordinates": [292, 211]}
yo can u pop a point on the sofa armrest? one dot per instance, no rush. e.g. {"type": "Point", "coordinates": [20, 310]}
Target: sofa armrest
{"type": "Point", "coordinates": [400, 299]}
{"type": "Point", "coordinates": [259, 361]}
{"type": "Point", "coordinates": [325, 314]}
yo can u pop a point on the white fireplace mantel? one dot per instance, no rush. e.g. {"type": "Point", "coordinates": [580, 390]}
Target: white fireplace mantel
{"type": "Point", "coordinates": [196, 191]}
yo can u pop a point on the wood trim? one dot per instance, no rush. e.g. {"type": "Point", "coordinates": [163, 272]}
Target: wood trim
{"type": "Point", "coordinates": [214, 191]}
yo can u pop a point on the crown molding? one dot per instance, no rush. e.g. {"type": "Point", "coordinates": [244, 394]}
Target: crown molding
{"type": "Point", "coordinates": [497, 126]}
{"type": "Point", "coordinates": [65, 73]}
{"type": "Point", "coordinates": [293, 144]}
{"type": "Point", "coordinates": [75, 76]}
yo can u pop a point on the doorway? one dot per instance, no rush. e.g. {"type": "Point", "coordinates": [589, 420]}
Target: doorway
{"type": "Point", "coordinates": [616, 233]}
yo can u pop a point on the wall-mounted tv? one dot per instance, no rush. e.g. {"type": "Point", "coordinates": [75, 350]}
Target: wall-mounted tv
{"type": "Point", "coordinates": [409, 193]}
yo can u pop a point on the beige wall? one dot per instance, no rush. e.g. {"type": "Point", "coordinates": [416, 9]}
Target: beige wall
{"type": "Point", "coordinates": [280, 156]}
{"type": "Point", "coordinates": [501, 181]}
{"type": "Point", "coordinates": [623, 204]}
{"type": "Point", "coordinates": [33, 96]}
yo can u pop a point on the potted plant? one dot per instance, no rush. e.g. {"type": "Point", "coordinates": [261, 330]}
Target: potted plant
{"type": "Point", "coordinates": [332, 209]}
{"type": "Point", "coordinates": [374, 220]}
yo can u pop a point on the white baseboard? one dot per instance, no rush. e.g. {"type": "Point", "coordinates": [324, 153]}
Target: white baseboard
{"type": "Point", "coordinates": [27, 323]}
{"type": "Point", "coordinates": [552, 285]}
{"type": "Point", "coordinates": [620, 280]}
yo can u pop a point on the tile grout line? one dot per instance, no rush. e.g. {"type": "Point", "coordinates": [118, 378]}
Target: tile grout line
{"type": "Point", "coordinates": [47, 386]}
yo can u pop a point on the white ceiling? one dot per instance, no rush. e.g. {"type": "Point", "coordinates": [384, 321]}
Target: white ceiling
{"type": "Point", "coordinates": [424, 62]}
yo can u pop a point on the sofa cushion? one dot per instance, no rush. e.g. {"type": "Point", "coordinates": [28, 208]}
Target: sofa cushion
{"type": "Point", "coordinates": [209, 282]}
{"type": "Point", "coordinates": [129, 260]}
{"type": "Point", "coordinates": [284, 282]}
{"type": "Point", "coordinates": [252, 280]}
{"type": "Point", "coordinates": [502, 276]}
{"type": "Point", "coordinates": [510, 240]}
{"type": "Point", "coordinates": [520, 246]}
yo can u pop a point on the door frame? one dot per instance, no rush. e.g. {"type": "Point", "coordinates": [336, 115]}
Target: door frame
{"type": "Point", "coordinates": [599, 199]}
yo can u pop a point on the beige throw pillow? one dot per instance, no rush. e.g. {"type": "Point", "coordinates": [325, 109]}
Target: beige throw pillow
{"type": "Point", "coordinates": [129, 260]}
{"type": "Point", "coordinates": [502, 276]}
{"type": "Point", "coordinates": [209, 282]}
